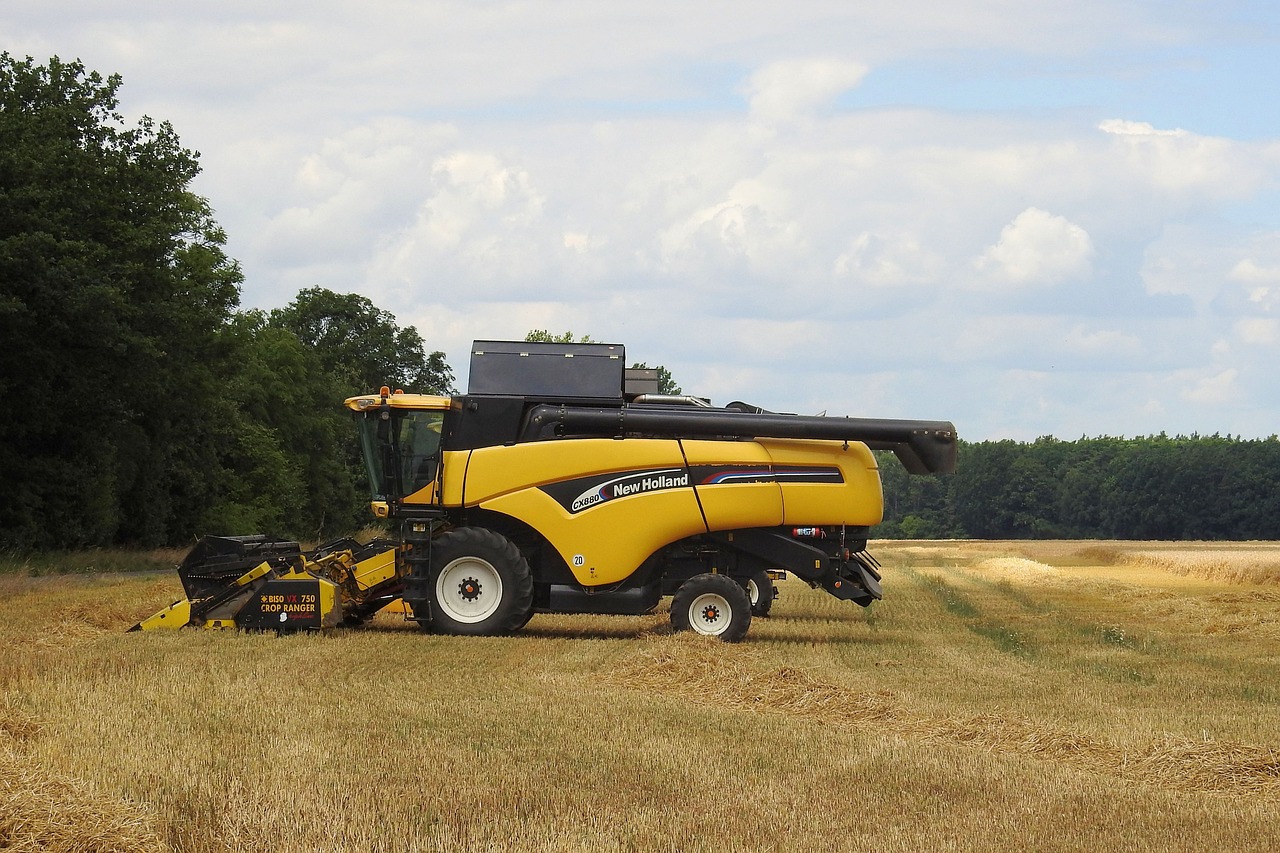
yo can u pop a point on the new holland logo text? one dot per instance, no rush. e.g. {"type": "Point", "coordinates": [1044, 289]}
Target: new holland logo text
{"type": "Point", "coordinates": [631, 484]}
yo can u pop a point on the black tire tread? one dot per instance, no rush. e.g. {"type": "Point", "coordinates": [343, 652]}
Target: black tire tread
{"type": "Point", "coordinates": [504, 556]}
{"type": "Point", "coordinates": [768, 592]}
{"type": "Point", "coordinates": [724, 586]}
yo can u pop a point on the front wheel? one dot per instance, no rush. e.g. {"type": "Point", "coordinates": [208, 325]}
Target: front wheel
{"type": "Point", "coordinates": [481, 583]}
{"type": "Point", "coordinates": [714, 605]}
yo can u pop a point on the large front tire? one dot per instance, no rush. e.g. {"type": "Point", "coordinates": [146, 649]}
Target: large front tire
{"type": "Point", "coordinates": [481, 583]}
{"type": "Point", "coordinates": [714, 605]}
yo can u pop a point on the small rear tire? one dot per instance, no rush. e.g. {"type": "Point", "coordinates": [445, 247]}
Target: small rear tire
{"type": "Point", "coordinates": [761, 593]}
{"type": "Point", "coordinates": [713, 605]}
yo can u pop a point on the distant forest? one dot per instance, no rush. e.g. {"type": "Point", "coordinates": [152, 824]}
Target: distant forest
{"type": "Point", "coordinates": [143, 406]}
{"type": "Point", "coordinates": [1155, 487]}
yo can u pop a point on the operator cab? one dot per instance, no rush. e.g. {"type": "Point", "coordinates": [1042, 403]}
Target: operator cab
{"type": "Point", "coordinates": [400, 441]}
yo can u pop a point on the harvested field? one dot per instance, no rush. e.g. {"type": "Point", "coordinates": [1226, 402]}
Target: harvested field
{"type": "Point", "coordinates": [1004, 696]}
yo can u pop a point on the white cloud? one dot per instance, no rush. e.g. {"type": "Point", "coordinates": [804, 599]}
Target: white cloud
{"type": "Point", "coordinates": [749, 234]}
{"type": "Point", "coordinates": [1260, 331]}
{"type": "Point", "coordinates": [1203, 261]}
{"type": "Point", "coordinates": [1217, 389]}
{"type": "Point", "coordinates": [1038, 248]}
{"type": "Point", "coordinates": [579, 242]}
{"type": "Point", "coordinates": [481, 222]}
{"type": "Point", "coordinates": [886, 261]}
{"type": "Point", "coordinates": [1251, 272]}
{"type": "Point", "coordinates": [790, 89]}
{"type": "Point", "coordinates": [476, 191]}
{"type": "Point", "coordinates": [1179, 162]}
{"type": "Point", "coordinates": [1123, 127]}
{"type": "Point", "coordinates": [1262, 283]}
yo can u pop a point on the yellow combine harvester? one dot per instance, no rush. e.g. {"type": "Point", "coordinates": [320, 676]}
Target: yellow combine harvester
{"type": "Point", "coordinates": [564, 483]}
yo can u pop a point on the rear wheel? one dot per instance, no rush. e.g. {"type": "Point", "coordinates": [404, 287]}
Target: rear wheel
{"type": "Point", "coordinates": [480, 582]}
{"type": "Point", "coordinates": [714, 605]}
{"type": "Point", "coordinates": [761, 593]}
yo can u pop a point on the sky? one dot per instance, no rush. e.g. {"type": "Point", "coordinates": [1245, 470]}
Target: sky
{"type": "Point", "coordinates": [1029, 218]}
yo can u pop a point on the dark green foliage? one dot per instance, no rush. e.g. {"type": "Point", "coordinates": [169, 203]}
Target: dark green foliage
{"type": "Point", "coordinates": [113, 291]}
{"type": "Point", "coordinates": [143, 407]}
{"type": "Point", "coordinates": [1155, 487]}
{"type": "Point", "coordinates": [543, 336]}
{"type": "Point", "coordinates": [361, 346]}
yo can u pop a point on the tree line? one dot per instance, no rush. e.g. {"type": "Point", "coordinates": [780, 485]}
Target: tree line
{"type": "Point", "coordinates": [1152, 487]}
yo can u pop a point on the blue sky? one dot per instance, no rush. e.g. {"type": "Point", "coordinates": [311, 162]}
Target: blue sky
{"type": "Point", "coordinates": [1029, 218]}
{"type": "Point", "coordinates": [1219, 88]}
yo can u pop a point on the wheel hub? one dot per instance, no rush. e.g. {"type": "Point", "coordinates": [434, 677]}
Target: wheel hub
{"type": "Point", "coordinates": [710, 614]}
{"type": "Point", "coordinates": [469, 589]}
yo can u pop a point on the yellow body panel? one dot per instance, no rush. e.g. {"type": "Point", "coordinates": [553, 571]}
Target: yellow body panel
{"type": "Point", "coordinates": [330, 609]}
{"type": "Point", "coordinates": [494, 471]}
{"type": "Point", "coordinates": [253, 574]}
{"type": "Point", "coordinates": [452, 479]}
{"type": "Point", "coordinates": [605, 544]}
{"type": "Point", "coordinates": [736, 503]}
{"type": "Point", "coordinates": [857, 501]}
{"type": "Point", "coordinates": [398, 401]}
{"type": "Point", "coordinates": [375, 570]}
{"type": "Point", "coordinates": [602, 544]}
{"type": "Point", "coordinates": [174, 616]}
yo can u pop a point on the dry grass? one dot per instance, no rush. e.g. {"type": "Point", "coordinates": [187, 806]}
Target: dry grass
{"type": "Point", "coordinates": [1166, 760]}
{"type": "Point", "coordinates": [1233, 566]}
{"type": "Point", "coordinates": [1229, 562]}
{"type": "Point", "coordinates": [91, 561]}
{"type": "Point", "coordinates": [43, 812]}
{"type": "Point", "coordinates": [1004, 696]}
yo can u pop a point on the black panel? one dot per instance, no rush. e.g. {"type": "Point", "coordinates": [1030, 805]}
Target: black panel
{"type": "Point", "coordinates": [634, 601]}
{"type": "Point", "coordinates": [482, 422]}
{"type": "Point", "coordinates": [283, 605]}
{"type": "Point", "coordinates": [216, 561]}
{"type": "Point", "coordinates": [777, 550]}
{"type": "Point", "coordinates": [547, 370]}
{"type": "Point", "coordinates": [641, 380]}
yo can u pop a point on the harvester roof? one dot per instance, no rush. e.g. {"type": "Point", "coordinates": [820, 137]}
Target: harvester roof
{"type": "Point", "coordinates": [398, 400]}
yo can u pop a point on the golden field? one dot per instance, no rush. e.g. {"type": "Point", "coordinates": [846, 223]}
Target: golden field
{"type": "Point", "coordinates": [1003, 696]}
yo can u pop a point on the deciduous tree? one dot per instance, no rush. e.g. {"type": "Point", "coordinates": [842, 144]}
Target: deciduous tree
{"type": "Point", "coordinates": [114, 289]}
{"type": "Point", "coordinates": [361, 345]}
